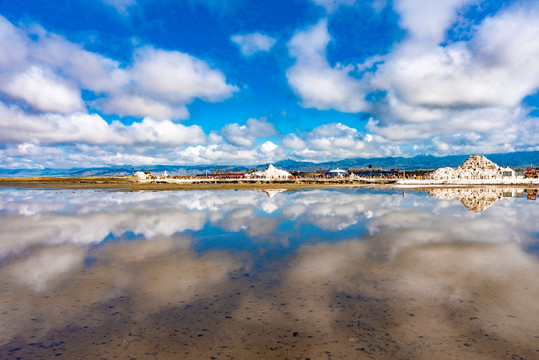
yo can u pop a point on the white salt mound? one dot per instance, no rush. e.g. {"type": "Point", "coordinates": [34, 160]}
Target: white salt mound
{"type": "Point", "coordinates": [475, 167]}
{"type": "Point", "coordinates": [271, 172]}
{"type": "Point", "coordinates": [139, 175]}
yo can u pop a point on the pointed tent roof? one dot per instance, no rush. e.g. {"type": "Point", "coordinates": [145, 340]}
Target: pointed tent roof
{"type": "Point", "coordinates": [272, 172]}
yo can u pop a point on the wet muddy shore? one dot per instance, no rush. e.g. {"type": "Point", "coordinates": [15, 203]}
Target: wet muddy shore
{"type": "Point", "coordinates": [127, 184]}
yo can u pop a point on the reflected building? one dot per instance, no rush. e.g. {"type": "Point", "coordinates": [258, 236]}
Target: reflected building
{"type": "Point", "coordinates": [272, 192]}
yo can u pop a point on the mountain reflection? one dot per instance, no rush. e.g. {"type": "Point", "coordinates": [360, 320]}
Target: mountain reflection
{"type": "Point", "coordinates": [346, 271]}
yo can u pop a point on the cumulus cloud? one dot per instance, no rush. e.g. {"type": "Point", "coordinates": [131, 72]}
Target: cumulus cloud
{"type": "Point", "coordinates": [225, 153]}
{"type": "Point", "coordinates": [178, 77]}
{"type": "Point", "coordinates": [492, 69]}
{"type": "Point", "coordinates": [52, 129]}
{"type": "Point", "coordinates": [162, 83]}
{"type": "Point", "coordinates": [48, 72]}
{"type": "Point", "coordinates": [253, 43]}
{"type": "Point", "coordinates": [315, 81]}
{"type": "Point", "coordinates": [90, 70]}
{"type": "Point", "coordinates": [427, 21]}
{"type": "Point", "coordinates": [42, 76]}
{"type": "Point", "coordinates": [89, 140]}
{"type": "Point", "coordinates": [329, 141]}
{"type": "Point", "coordinates": [449, 95]}
{"type": "Point", "coordinates": [245, 135]}
{"type": "Point", "coordinates": [139, 106]}
{"type": "Point", "coordinates": [460, 96]}
{"type": "Point", "coordinates": [44, 91]}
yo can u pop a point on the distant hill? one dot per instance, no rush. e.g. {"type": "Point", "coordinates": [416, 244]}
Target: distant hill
{"type": "Point", "coordinates": [514, 160]}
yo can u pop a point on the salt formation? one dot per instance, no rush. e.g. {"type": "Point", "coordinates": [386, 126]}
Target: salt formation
{"type": "Point", "coordinates": [476, 167]}
{"type": "Point", "coordinates": [476, 200]}
{"type": "Point", "coordinates": [139, 175]}
{"type": "Point", "coordinates": [271, 172]}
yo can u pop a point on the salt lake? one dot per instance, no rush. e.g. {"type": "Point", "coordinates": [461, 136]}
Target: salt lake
{"type": "Point", "coordinates": [341, 273]}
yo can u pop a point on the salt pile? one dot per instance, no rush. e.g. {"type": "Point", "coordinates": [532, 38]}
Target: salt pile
{"type": "Point", "coordinates": [476, 200]}
{"type": "Point", "coordinates": [272, 172]}
{"type": "Point", "coordinates": [139, 175]}
{"type": "Point", "coordinates": [475, 167]}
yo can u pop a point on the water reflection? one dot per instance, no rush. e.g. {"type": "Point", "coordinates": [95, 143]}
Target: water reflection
{"type": "Point", "coordinates": [479, 199]}
{"type": "Point", "coordinates": [318, 273]}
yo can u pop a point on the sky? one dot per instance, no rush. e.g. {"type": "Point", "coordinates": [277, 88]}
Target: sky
{"type": "Point", "coordinates": [143, 82]}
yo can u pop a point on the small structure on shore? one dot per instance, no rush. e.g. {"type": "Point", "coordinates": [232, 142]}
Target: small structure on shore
{"type": "Point", "coordinates": [337, 172]}
{"type": "Point", "coordinates": [139, 175]}
{"type": "Point", "coordinates": [271, 172]}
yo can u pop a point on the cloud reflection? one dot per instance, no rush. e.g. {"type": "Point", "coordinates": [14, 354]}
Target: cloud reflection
{"type": "Point", "coordinates": [363, 264]}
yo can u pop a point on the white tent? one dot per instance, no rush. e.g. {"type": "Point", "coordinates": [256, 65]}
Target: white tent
{"type": "Point", "coordinates": [337, 172]}
{"type": "Point", "coordinates": [139, 175]}
{"type": "Point", "coordinates": [272, 172]}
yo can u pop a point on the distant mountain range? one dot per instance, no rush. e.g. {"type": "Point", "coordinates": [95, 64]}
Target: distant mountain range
{"type": "Point", "coordinates": [514, 160]}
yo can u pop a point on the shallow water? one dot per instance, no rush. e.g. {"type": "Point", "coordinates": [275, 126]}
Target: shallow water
{"type": "Point", "coordinates": [319, 274]}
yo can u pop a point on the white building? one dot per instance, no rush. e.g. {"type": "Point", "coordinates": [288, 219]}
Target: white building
{"type": "Point", "coordinates": [271, 172]}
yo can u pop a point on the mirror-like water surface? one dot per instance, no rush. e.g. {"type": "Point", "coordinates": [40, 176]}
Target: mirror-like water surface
{"type": "Point", "coordinates": [340, 273]}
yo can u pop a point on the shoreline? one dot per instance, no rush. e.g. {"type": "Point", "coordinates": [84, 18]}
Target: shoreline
{"type": "Point", "coordinates": [127, 184]}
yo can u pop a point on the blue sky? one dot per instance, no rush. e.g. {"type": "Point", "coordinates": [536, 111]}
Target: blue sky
{"type": "Point", "coordinates": [112, 82]}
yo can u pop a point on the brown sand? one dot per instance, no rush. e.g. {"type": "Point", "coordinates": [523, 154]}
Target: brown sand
{"type": "Point", "coordinates": [127, 184]}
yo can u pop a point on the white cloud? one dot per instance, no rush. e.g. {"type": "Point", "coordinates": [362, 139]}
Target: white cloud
{"type": "Point", "coordinates": [13, 43]}
{"type": "Point", "coordinates": [253, 43]}
{"type": "Point", "coordinates": [227, 154]}
{"type": "Point", "coordinates": [499, 66]}
{"type": "Point", "coordinates": [292, 141]}
{"type": "Point", "coordinates": [459, 89]}
{"type": "Point", "coordinates": [268, 147]}
{"type": "Point", "coordinates": [332, 5]}
{"type": "Point", "coordinates": [315, 81]}
{"type": "Point", "coordinates": [330, 141]}
{"type": "Point", "coordinates": [92, 71]}
{"type": "Point", "coordinates": [162, 83]}
{"type": "Point", "coordinates": [139, 106]}
{"type": "Point", "coordinates": [88, 140]}
{"type": "Point", "coordinates": [490, 70]}
{"type": "Point", "coordinates": [122, 6]}
{"type": "Point", "coordinates": [48, 129]}
{"type": "Point", "coordinates": [427, 21]}
{"type": "Point", "coordinates": [450, 96]}
{"type": "Point", "coordinates": [44, 91]}
{"type": "Point", "coordinates": [178, 77]}
{"type": "Point", "coordinates": [245, 135]}
{"type": "Point", "coordinates": [27, 149]}
{"type": "Point", "coordinates": [48, 73]}
{"type": "Point", "coordinates": [236, 134]}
